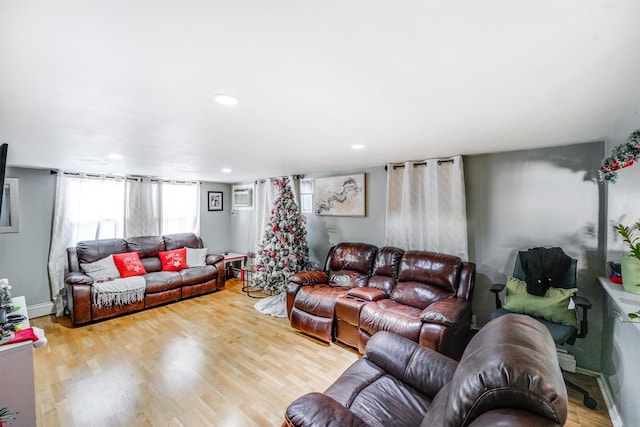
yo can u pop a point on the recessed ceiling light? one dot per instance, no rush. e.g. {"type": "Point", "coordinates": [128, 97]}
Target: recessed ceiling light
{"type": "Point", "coordinates": [226, 170]}
{"type": "Point", "coordinates": [225, 99]}
{"type": "Point", "coordinates": [114, 156]}
{"type": "Point", "coordinates": [357, 146]}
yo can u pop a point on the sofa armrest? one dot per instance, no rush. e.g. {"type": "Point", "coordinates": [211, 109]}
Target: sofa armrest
{"type": "Point", "coordinates": [367, 294]}
{"type": "Point", "coordinates": [76, 278]}
{"type": "Point", "coordinates": [446, 312]}
{"type": "Point", "coordinates": [512, 418]}
{"type": "Point", "coordinates": [310, 277]}
{"type": "Point", "coordinates": [496, 288]}
{"type": "Point", "coordinates": [317, 409]}
{"type": "Point", "coordinates": [212, 259]}
{"type": "Point", "coordinates": [422, 368]}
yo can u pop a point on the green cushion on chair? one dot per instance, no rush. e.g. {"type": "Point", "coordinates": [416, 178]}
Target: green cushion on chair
{"type": "Point", "coordinates": [553, 306]}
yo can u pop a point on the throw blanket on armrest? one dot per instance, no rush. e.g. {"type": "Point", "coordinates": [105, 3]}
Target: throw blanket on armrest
{"type": "Point", "coordinates": [119, 291]}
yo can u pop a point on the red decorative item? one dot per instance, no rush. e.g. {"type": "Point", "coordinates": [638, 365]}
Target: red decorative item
{"type": "Point", "coordinates": [128, 264]}
{"type": "Point", "coordinates": [616, 279]}
{"type": "Point", "coordinates": [174, 260]}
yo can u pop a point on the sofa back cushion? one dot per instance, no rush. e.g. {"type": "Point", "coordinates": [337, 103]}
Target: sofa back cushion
{"type": "Point", "coordinates": [385, 269]}
{"type": "Point", "coordinates": [93, 250]}
{"type": "Point", "coordinates": [511, 363]}
{"type": "Point", "coordinates": [181, 240]}
{"type": "Point", "coordinates": [146, 246]}
{"type": "Point", "coordinates": [350, 264]}
{"type": "Point", "coordinates": [426, 277]}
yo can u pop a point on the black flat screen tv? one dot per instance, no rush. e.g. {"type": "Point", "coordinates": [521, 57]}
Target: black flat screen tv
{"type": "Point", "coordinates": [3, 167]}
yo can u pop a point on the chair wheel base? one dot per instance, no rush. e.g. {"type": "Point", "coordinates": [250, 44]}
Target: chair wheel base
{"type": "Point", "coordinates": [590, 403]}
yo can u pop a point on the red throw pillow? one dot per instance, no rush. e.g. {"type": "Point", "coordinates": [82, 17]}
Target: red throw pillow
{"type": "Point", "coordinates": [174, 260]}
{"type": "Point", "coordinates": [128, 264]}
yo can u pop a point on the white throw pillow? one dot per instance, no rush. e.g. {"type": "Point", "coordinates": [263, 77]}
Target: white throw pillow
{"type": "Point", "coordinates": [101, 270]}
{"type": "Point", "coordinates": [196, 257]}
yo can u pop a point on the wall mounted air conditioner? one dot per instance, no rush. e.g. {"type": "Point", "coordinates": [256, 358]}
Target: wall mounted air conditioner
{"type": "Point", "coordinates": [242, 197]}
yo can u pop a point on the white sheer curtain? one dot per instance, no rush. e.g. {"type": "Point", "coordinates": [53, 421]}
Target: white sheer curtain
{"type": "Point", "coordinates": [180, 207]}
{"type": "Point", "coordinates": [86, 208]}
{"type": "Point", "coordinates": [89, 207]}
{"type": "Point", "coordinates": [144, 196]}
{"type": "Point", "coordinates": [426, 207]}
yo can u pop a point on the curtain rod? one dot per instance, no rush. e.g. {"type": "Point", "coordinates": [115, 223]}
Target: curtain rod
{"type": "Point", "coordinates": [276, 177]}
{"type": "Point", "coordinates": [127, 177]}
{"type": "Point", "coordinates": [415, 165]}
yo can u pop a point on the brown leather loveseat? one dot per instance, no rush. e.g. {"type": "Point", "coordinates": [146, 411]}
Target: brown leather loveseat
{"type": "Point", "coordinates": [423, 296]}
{"type": "Point", "coordinates": [161, 286]}
{"type": "Point", "coordinates": [508, 376]}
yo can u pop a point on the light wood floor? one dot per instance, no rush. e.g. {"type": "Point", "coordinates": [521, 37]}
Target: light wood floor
{"type": "Point", "coordinates": [208, 361]}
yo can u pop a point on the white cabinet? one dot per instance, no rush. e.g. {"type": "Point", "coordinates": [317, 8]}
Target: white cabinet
{"type": "Point", "coordinates": [17, 391]}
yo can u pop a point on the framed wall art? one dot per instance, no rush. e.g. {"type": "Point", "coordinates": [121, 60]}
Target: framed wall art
{"type": "Point", "coordinates": [340, 195]}
{"type": "Point", "coordinates": [215, 200]}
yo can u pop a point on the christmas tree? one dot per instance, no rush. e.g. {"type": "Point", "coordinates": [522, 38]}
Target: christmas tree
{"type": "Point", "coordinates": [283, 251]}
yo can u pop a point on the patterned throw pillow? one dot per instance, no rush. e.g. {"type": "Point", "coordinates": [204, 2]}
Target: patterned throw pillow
{"type": "Point", "coordinates": [102, 270]}
{"type": "Point", "coordinates": [174, 260]}
{"type": "Point", "coordinates": [196, 257]}
{"type": "Point", "coordinates": [129, 264]}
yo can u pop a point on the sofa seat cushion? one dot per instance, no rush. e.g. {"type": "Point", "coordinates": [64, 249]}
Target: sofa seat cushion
{"type": "Point", "coordinates": [319, 300]}
{"type": "Point", "coordinates": [378, 398]}
{"type": "Point", "coordinates": [389, 315]}
{"type": "Point", "coordinates": [196, 275]}
{"type": "Point", "coordinates": [160, 281]}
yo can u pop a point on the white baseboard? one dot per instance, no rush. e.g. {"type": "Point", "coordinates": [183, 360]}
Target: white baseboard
{"type": "Point", "coordinates": [42, 309]}
{"type": "Point", "coordinates": [606, 395]}
{"type": "Point", "coordinates": [608, 400]}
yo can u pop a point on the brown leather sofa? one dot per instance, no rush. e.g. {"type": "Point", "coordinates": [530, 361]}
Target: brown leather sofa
{"type": "Point", "coordinates": [508, 376]}
{"type": "Point", "coordinates": [161, 286]}
{"type": "Point", "coordinates": [424, 296]}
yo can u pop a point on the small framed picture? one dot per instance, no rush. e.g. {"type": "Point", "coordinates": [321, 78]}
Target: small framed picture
{"type": "Point", "coordinates": [215, 200]}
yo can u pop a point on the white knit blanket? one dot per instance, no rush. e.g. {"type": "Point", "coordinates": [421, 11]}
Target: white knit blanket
{"type": "Point", "coordinates": [275, 305]}
{"type": "Point", "coordinates": [119, 291]}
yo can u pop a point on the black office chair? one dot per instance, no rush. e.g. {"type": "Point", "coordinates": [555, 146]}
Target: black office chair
{"type": "Point", "coordinates": [562, 334]}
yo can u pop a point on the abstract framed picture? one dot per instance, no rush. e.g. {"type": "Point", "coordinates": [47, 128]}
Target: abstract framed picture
{"type": "Point", "coordinates": [340, 195]}
{"type": "Point", "coordinates": [215, 200]}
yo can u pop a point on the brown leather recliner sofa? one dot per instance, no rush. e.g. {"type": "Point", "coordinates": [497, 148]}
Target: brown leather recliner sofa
{"type": "Point", "coordinates": [423, 296]}
{"type": "Point", "coordinates": [161, 286]}
{"type": "Point", "coordinates": [508, 376]}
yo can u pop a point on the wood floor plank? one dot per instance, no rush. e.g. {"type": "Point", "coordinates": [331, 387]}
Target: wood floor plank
{"type": "Point", "coordinates": [207, 361]}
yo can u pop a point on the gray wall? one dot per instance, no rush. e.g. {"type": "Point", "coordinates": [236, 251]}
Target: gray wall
{"type": "Point", "coordinates": [523, 199]}
{"type": "Point", "coordinates": [515, 200]}
{"type": "Point", "coordinates": [325, 231]}
{"type": "Point", "coordinates": [24, 255]}
{"type": "Point", "coordinates": [215, 226]}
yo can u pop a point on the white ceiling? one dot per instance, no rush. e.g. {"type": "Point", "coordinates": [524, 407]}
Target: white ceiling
{"type": "Point", "coordinates": [80, 79]}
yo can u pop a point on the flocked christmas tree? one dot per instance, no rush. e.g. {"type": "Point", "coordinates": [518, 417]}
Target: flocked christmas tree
{"type": "Point", "coordinates": [283, 251]}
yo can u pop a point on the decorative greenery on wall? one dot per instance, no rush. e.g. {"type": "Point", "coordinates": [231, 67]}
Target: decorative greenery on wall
{"type": "Point", "coordinates": [622, 156]}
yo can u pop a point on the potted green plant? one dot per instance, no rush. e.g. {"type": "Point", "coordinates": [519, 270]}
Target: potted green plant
{"type": "Point", "coordinates": [630, 262]}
